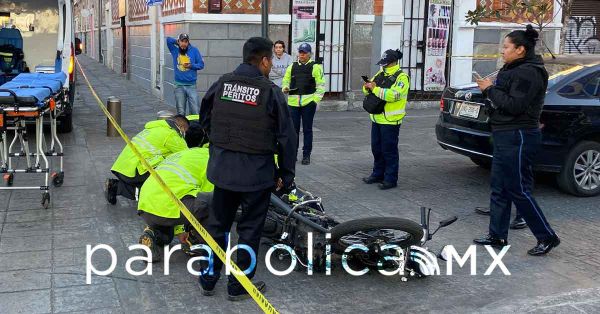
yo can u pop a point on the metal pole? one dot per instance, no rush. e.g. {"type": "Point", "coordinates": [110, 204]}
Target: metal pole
{"type": "Point", "coordinates": [100, 31]}
{"type": "Point", "coordinates": [265, 18]}
{"type": "Point", "coordinates": [114, 108]}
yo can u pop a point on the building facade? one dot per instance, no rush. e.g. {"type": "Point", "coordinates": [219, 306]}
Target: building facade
{"type": "Point", "coordinates": [348, 36]}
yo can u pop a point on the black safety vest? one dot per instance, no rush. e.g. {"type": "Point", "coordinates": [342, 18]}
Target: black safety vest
{"type": "Point", "coordinates": [240, 121]}
{"type": "Point", "coordinates": [303, 82]}
{"type": "Point", "coordinates": [386, 81]}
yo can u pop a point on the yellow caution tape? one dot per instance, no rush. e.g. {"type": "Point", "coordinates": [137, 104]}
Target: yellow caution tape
{"type": "Point", "coordinates": [258, 297]}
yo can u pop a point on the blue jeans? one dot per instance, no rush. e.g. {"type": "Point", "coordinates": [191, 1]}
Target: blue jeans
{"type": "Point", "coordinates": [186, 99]}
{"type": "Point", "coordinates": [307, 115]}
{"type": "Point", "coordinates": [512, 182]}
{"type": "Point", "coordinates": [384, 146]}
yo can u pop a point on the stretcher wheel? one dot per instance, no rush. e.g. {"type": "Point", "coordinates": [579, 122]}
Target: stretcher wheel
{"type": "Point", "coordinates": [58, 178]}
{"type": "Point", "coordinates": [46, 200]}
{"type": "Point", "coordinates": [9, 178]}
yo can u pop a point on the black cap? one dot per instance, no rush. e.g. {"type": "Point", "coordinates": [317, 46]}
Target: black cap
{"type": "Point", "coordinates": [390, 56]}
{"type": "Point", "coordinates": [184, 36]}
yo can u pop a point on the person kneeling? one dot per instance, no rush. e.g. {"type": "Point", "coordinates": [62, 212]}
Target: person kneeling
{"type": "Point", "coordinates": [184, 173]}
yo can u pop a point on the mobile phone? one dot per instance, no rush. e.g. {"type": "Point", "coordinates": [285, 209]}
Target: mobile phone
{"type": "Point", "coordinates": [365, 78]}
{"type": "Point", "coordinates": [476, 75]}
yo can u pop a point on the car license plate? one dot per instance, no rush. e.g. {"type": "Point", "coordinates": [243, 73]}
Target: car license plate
{"type": "Point", "coordinates": [467, 110]}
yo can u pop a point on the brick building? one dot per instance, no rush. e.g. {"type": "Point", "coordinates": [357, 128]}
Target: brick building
{"type": "Point", "coordinates": [438, 45]}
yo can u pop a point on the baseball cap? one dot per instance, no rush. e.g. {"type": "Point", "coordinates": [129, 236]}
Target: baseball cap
{"type": "Point", "coordinates": [184, 36]}
{"type": "Point", "coordinates": [390, 56]}
{"type": "Point", "coordinates": [304, 47]}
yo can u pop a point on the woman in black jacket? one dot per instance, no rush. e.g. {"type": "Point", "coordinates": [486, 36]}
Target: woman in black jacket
{"type": "Point", "coordinates": [516, 99]}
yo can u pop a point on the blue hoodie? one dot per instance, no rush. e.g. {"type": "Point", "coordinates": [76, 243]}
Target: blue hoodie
{"type": "Point", "coordinates": [185, 76]}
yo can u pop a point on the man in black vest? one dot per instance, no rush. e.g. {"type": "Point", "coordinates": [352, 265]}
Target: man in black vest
{"type": "Point", "coordinates": [247, 121]}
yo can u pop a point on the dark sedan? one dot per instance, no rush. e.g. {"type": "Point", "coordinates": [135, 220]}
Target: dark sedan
{"type": "Point", "coordinates": [570, 124]}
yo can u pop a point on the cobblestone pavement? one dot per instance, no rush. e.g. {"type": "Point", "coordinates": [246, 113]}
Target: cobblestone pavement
{"type": "Point", "coordinates": [42, 252]}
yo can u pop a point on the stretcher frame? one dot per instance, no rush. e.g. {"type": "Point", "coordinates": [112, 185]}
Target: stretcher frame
{"type": "Point", "coordinates": [14, 117]}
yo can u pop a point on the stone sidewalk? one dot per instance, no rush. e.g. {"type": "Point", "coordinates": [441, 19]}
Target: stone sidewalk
{"type": "Point", "coordinates": [42, 252]}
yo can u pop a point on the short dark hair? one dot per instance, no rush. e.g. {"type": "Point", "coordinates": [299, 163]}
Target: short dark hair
{"type": "Point", "coordinates": [281, 43]}
{"type": "Point", "coordinates": [256, 48]}
{"type": "Point", "coordinates": [181, 118]}
{"type": "Point", "coordinates": [526, 38]}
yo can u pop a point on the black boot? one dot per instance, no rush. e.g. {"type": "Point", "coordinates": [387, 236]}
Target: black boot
{"type": "Point", "coordinates": [544, 247]}
{"type": "Point", "coordinates": [306, 160]}
{"type": "Point", "coordinates": [518, 223]}
{"type": "Point", "coordinates": [489, 240]}
{"type": "Point", "coordinates": [371, 180]}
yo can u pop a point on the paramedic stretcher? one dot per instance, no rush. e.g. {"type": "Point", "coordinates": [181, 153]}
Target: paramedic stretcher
{"type": "Point", "coordinates": [29, 97]}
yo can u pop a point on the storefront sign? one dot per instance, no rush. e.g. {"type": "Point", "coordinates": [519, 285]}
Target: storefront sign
{"type": "Point", "coordinates": [438, 30]}
{"type": "Point", "coordinates": [304, 25]}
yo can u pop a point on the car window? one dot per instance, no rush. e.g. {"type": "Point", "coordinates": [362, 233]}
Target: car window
{"type": "Point", "coordinates": [558, 77]}
{"type": "Point", "coordinates": [582, 88]}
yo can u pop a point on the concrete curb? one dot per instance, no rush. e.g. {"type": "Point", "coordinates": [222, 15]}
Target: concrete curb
{"type": "Point", "coordinates": [349, 105]}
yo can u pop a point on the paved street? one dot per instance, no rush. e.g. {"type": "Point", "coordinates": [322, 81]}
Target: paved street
{"type": "Point", "coordinates": [42, 252]}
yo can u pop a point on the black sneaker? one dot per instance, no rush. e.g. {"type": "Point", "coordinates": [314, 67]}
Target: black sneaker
{"type": "Point", "coordinates": [518, 223]}
{"type": "Point", "coordinates": [148, 238]}
{"type": "Point", "coordinates": [387, 185]}
{"type": "Point", "coordinates": [306, 160]}
{"type": "Point", "coordinates": [207, 284]}
{"type": "Point", "coordinates": [236, 292]}
{"type": "Point", "coordinates": [544, 247]}
{"type": "Point", "coordinates": [491, 241]}
{"type": "Point", "coordinates": [110, 190]}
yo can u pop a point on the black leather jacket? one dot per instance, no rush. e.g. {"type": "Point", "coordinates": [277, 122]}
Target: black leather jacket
{"type": "Point", "coordinates": [518, 94]}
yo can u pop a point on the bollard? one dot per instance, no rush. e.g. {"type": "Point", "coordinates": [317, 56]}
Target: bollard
{"type": "Point", "coordinates": [114, 108]}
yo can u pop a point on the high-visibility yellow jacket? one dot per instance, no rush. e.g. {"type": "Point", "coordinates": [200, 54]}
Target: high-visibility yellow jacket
{"type": "Point", "coordinates": [395, 96]}
{"type": "Point", "coordinates": [184, 173]}
{"type": "Point", "coordinates": [304, 100]}
{"type": "Point", "coordinates": [157, 141]}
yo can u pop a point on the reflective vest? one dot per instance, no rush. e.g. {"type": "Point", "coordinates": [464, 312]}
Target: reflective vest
{"type": "Point", "coordinates": [240, 120]}
{"type": "Point", "coordinates": [157, 141]}
{"type": "Point", "coordinates": [184, 173]}
{"type": "Point", "coordinates": [394, 93]}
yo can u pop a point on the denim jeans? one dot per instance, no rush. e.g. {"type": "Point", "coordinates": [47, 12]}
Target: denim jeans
{"type": "Point", "coordinates": [512, 183]}
{"type": "Point", "coordinates": [187, 100]}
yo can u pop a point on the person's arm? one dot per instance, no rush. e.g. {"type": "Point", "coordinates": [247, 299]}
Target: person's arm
{"type": "Point", "coordinates": [175, 143]}
{"type": "Point", "coordinates": [198, 63]}
{"type": "Point", "coordinates": [364, 89]}
{"type": "Point", "coordinates": [206, 108]}
{"type": "Point", "coordinates": [320, 80]}
{"type": "Point", "coordinates": [287, 78]}
{"type": "Point", "coordinates": [286, 138]}
{"type": "Point", "coordinates": [517, 99]}
{"type": "Point", "coordinates": [172, 45]}
{"type": "Point", "coordinates": [398, 91]}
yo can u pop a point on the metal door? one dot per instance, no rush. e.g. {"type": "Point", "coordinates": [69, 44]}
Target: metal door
{"type": "Point", "coordinates": [332, 46]}
{"type": "Point", "coordinates": [413, 42]}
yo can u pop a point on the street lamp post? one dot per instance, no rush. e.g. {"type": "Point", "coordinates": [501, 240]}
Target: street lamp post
{"type": "Point", "coordinates": [265, 18]}
{"type": "Point", "coordinates": [100, 31]}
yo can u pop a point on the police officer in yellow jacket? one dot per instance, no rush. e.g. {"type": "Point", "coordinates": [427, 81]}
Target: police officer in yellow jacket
{"type": "Point", "coordinates": [304, 83]}
{"type": "Point", "coordinates": [159, 139]}
{"type": "Point", "coordinates": [184, 173]}
{"type": "Point", "coordinates": [391, 85]}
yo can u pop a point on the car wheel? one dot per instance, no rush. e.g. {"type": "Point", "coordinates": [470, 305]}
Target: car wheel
{"type": "Point", "coordinates": [580, 174]}
{"type": "Point", "coordinates": [485, 163]}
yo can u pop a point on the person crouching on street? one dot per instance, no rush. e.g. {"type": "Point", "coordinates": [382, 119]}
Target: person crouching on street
{"type": "Point", "coordinates": [390, 86]}
{"type": "Point", "coordinates": [159, 139]}
{"type": "Point", "coordinates": [305, 84]}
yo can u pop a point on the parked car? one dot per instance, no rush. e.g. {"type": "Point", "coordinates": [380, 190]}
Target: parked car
{"type": "Point", "coordinates": [570, 124]}
{"type": "Point", "coordinates": [35, 31]}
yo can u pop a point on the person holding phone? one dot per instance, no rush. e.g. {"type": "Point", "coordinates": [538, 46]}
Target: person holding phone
{"type": "Point", "coordinates": [305, 85]}
{"type": "Point", "coordinates": [516, 101]}
{"type": "Point", "coordinates": [391, 86]}
{"type": "Point", "coordinates": [187, 60]}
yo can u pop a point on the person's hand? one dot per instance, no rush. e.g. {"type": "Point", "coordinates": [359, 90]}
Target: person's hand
{"type": "Point", "coordinates": [285, 90]}
{"type": "Point", "coordinates": [484, 84]}
{"type": "Point", "coordinates": [187, 65]}
{"type": "Point", "coordinates": [279, 184]}
{"type": "Point", "coordinates": [370, 85]}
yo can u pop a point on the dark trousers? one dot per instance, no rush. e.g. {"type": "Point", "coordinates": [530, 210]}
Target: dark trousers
{"type": "Point", "coordinates": [512, 182]}
{"type": "Point", "coordinates": [126, 186]}
{"type": "Point", "coordinates": [164, 227]}
{"type": "Point", "coordinates": [384, 146]}
{"type": "Point", "coordinates": [306, 114]}
{"type": "Point", "coordinates": [249, 227]}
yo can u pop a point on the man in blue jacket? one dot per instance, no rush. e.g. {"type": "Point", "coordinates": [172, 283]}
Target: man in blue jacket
{"type": "Point", "coordinates": [186, 61]}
